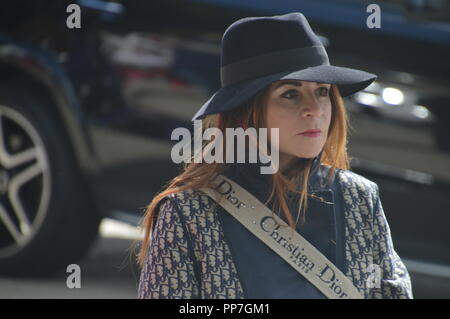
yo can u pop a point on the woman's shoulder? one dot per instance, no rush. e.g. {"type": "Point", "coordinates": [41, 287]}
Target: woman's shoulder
{"type": "Point", "coordinates": [360, 194]}
{"type": "Point", "coordinates": [352, 180]}
{"type": "Point", "coordinates": [192, 203]}
{"type": "Point", "coordinates": [191, 196]}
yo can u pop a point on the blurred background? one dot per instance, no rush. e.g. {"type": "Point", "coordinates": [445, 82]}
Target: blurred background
{"type": "Point", "coordinates": [86, 116]}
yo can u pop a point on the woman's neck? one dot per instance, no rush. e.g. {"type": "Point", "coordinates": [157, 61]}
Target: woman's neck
{"type": "Point", "coordinates": [286, 161]}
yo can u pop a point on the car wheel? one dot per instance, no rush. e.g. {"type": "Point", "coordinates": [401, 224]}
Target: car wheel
{"type": "Point", "coordinates": [46, 219]}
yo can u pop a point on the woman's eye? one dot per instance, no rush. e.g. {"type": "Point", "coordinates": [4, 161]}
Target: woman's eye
{"type": "Point", "coordinates": [290, 94]}
{"type": "Point", "coordinates": [324, 90]}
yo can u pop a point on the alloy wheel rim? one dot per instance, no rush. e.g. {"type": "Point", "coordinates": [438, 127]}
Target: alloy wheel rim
{"type": "Point", "coordinates": [25, 181]}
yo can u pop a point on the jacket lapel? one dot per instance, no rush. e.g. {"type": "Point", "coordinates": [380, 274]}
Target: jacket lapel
{"type": "Point", "coordinates": [358, 232]}
{"type": "Point", "coordinates": [322, 220]}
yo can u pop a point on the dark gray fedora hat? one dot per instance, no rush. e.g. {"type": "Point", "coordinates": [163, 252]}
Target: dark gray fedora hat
{"type": "Point", "coordinates": [257, 51]}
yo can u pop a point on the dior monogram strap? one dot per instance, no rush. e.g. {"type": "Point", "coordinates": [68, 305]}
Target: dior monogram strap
{"type": "Point", "coordinates": [285, 241]}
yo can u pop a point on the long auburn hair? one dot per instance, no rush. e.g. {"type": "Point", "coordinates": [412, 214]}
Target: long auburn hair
{"type": "Point", "coordinates": [253, 114]}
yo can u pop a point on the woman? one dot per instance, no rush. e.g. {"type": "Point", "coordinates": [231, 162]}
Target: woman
{"type": "Point", "coordinates": [275, 74]}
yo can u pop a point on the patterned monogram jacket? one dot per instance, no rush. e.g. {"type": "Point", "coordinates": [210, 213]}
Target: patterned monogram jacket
{"type": "Point", "coordinates": [189, 256]}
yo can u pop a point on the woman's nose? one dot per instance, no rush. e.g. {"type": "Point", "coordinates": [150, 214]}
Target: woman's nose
{"type": "Point", "coordinates": [312, 107]}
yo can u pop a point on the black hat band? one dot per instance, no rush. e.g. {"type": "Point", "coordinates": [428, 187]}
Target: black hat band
{"type": "Point", "coordinates": [274, 62]}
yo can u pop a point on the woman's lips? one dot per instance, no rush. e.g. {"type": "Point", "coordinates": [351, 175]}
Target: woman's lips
{"type": "Point", "coordinates": [311, 133]}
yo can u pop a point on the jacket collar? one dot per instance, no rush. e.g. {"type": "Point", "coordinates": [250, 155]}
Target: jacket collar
{"type": "Point", "coordinates": [249, 176]}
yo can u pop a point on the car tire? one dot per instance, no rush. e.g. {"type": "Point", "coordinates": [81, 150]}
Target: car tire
{"type": "Point", "coordinates": [47, 220]}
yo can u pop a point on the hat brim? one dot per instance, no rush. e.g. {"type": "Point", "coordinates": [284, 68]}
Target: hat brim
{"type": "Point", "coordinates": [348, 81]}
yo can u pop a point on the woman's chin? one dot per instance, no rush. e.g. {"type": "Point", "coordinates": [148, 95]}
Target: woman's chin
{"type": "Point", "coordinates": [307, 155]}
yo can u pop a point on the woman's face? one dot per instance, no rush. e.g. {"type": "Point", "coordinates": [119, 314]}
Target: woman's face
{"type": "Point", "coordinates": [295, 106]}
